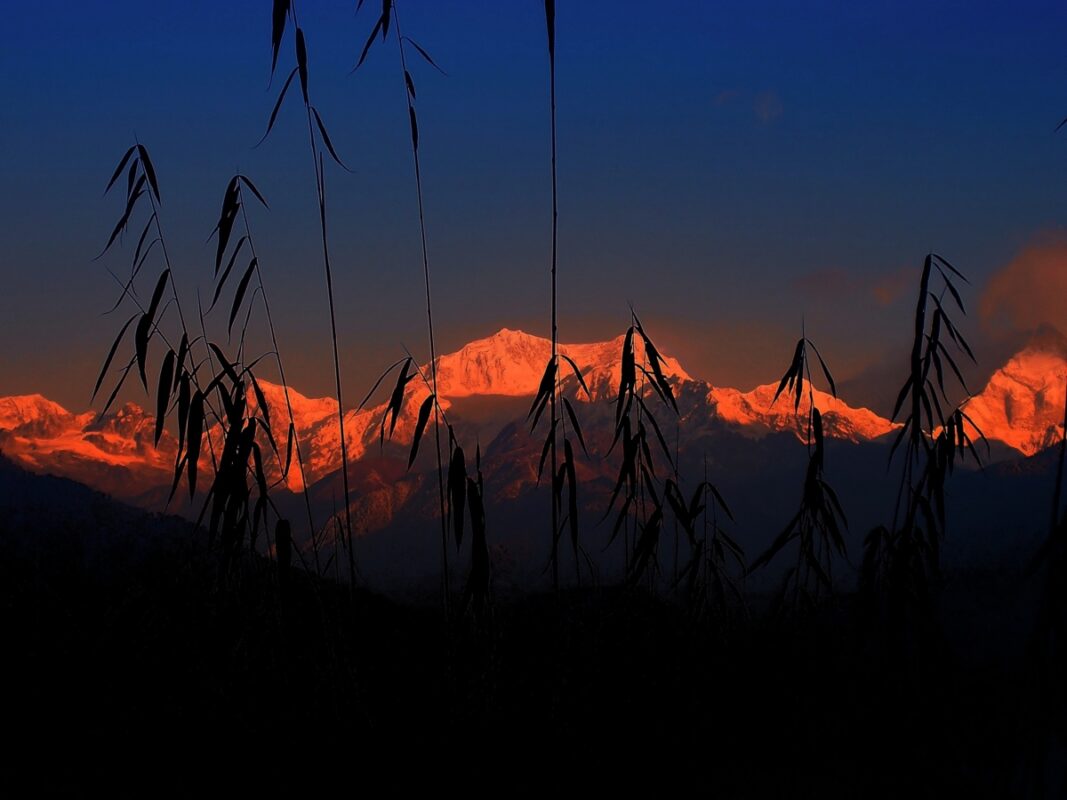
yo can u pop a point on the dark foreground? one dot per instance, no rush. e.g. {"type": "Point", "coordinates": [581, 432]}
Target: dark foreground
{"type": "Point", "coordinates": [129, 669]}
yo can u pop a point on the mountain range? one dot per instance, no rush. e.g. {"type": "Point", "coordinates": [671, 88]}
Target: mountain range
{"type": "Point", "coordinates": [486, 388]}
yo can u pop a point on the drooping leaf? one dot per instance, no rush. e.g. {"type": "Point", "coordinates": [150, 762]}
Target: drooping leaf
{"type": "Point", "coordinates": [277, 30]}
{"type": "Point", "coordinates": [410, 84]}
{"type": "Point", "coordinates": [228, 368]}
{"type": "Point", "coordinates": [420, 427]}
{"type": "Point", "coordinates": [577, 374]}
{"type": "Point", "coordinates": [378, 382]}
{"type": "Point", "coordinates": [111, 355]}
{"type": "Point", "coordinates": [166, 382]}
{"type": "Point", "coordinates": [544, 393]}
{"type": "Point", "coordinates": [140, 339]}
{"type": "Point", "coordinates": [290, 441]}
{"type": "Point", "coordinates": [157, 294]}
{"type": "Point", "coordinates": [396, 400]}
{"type": "Point", "coordinates": [370, 40]}
{"type": "Point", "coordinates": [574, 424]}
{"type": "Point", "coordinates": [149, 171]}
{"type": "Point", "coordinates": [252, 188]}
{"type": "Point", "coordinates": [277, 106]}
{"type": "Point", "coordinates": [326, 140]}
{"type": "Point", "coordinates": [239, 295]}
{"type": "Point", "coordinates": [425, 55]}
{"type": "Point", "coordinates": [226, 272]}
{"type": "Point", "coordinates": [120, 168]}
{"type": "Point", "coordinates": [124, 220]}
{"type": "Point", "coordinates": [825, 370]}
{"type": "Point", "coordinates": [414, 128]}
{"type": "Point", "coordinates": [302, 63]}
{"type": "Point", "coordinates": [261, 399]}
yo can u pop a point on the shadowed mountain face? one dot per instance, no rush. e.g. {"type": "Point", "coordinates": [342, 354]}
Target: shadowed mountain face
{"type": "Point", "coordinates": [750, 445]}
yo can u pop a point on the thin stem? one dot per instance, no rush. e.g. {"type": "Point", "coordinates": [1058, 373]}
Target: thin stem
{"type": "Point", "coordinates": [555, 338]}
{"type": "Point", "coordinates": [285, 384]}
{"type": "Point", "coordinates": [429, 319]}
{"type": "Point", "coordinates": [320, 186]}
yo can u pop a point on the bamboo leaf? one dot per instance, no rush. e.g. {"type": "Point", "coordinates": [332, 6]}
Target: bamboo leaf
{"type": "Point", "coordinates": [140, 339]}
{"type": "Point", "coordinates": [574, 424]}
{"type": "Point", "coordinates": [378, 382]}
{"type": "Point", "coordinates": [302, 63]}
{"type": "Point", "coordinates": [157, 294]}
{"type": "Point", "coordinates": [120, 168]}
{"type": "Point", "coordinates": [261, 400]}
{"type": "Point", "coordinates": [410, 84]}
{"type": "Point", "coordinates": [825, 370]}
{"type": "Point", "coordinates": [290, 440]}
{"type": "Point", "coordinates": [252, 188]}
{"type": "Point", "coordinates": [425, 55]}
{"type": "Point", "coordinates": [166, 382]}
{"type": "Point", "coordinates": [326, 140]}
{"type": "Point", "coordinates": [239, 295]}
{"type": "Point", "coordinates": [277, 106]}
{"type": "Point", "coordinates": [111, 356]}
{"type": "Point", "coordinates": [420, 426]}
{"type": "Point", "coordinates": [366, 47]}
{"type": "Point", "coordinates": [577, 374]}
{"type": "Point", "coordinates": [115, 391]}
{"type": "Point", "coordinates": [149, 171]}
{"type": "Point", "coordinates": [277, 30]}
{"type": "Point", "coordinates": [226, 272]}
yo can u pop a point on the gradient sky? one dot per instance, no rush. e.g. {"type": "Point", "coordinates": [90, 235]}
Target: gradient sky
{"type": "Point", "coordinates": [730, 167]}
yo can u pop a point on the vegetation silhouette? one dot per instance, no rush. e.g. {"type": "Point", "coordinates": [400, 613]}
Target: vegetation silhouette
{"type": "Point", "coordinates": [681, 663]}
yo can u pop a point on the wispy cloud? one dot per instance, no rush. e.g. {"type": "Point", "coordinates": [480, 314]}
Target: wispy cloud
{"type": "Point", "coordinates": [836, 283]}
{"type": "Point", "coordinates": [1030, 290]}
{"type": "Point", "coordinates": [767, 106]}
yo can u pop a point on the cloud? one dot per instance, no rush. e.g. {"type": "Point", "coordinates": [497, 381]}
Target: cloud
{"type": "Point", "coordinates": [767, 107]}
{"type": "Point", "coordinates": [836, 283]}
{"type": "Point", "coordinates": [1030, 290]}
{"type": "Point", "coordinates": [892, 286]}
{"type": "Point", "coordinates": [726, 96]}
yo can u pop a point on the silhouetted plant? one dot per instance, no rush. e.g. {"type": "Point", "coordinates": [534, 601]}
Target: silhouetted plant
{"type": "Point", "coordinates": [637, 482]}
{"type": "Point", "coordinates": [706, 580]}
{"type": "Point", "coordinates": [389, 13]}
{"type": "Point", "coordinates": [817, 525]}
{"type": "Point", "coordinates": [460, 490]}
{"type": "Point", "coordinates": [233, 204]}
{"type": "Point", "coordinates": [318, 139]}
{"type": "Point", "coordinates": [550, 391]}
{"type": "Point", "coordinates": [901, 564]}
{"type": "Point", "coordinates": [237, 510]}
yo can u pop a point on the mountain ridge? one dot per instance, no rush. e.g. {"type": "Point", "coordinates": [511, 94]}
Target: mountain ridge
{"type": "Point", "coordinates": [1021, 406]}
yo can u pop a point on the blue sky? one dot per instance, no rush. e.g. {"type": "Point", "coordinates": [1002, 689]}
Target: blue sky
{"type": "Point", "coordinates": [731, 168]}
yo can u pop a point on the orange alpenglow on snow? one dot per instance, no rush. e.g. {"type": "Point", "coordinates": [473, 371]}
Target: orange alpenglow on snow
{"type": "Point", "coordinates": [1022, 406]}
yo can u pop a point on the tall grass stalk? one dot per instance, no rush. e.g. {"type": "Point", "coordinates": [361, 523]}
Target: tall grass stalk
{"type": "Point", "coordinates": [283, 10]}
{"type": "Point", "coordinates": [390, 8]}
{"type": "Point", "coordinates": [294, 433]}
